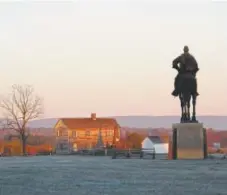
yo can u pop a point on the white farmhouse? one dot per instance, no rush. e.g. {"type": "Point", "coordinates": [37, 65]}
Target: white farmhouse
{"type": "Point", "coordinates": [154, 143]}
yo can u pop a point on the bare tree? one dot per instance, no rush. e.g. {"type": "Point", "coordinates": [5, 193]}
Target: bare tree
{"type": "Point", "coordinates": [21, 106]}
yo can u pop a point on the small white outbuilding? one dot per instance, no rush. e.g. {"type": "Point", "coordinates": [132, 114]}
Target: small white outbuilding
{"type": "Point", "coordinates": [154, 143]}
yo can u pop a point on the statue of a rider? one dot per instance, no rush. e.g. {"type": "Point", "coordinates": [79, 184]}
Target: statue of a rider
{"type": "Point", "coordinates": [187, 63]}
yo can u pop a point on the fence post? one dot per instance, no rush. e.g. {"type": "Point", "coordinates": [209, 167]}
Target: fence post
{"type": "Point", "coordinates": [141, 154]}
{"type": "Point", "coordinates": [114, 154]}
{"type": "Point", "coordinates": [205, 143]}
{"type": "Point", "coordinates": [153, 154]}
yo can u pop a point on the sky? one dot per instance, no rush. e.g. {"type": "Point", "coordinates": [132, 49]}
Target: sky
{"type": "Point", "coordinates": [113, 57]}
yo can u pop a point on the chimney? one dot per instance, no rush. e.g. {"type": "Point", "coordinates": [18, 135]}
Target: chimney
{"type": "Point", "coordinates": [93, 116]}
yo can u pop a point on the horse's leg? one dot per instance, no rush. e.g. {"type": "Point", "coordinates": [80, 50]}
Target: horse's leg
{"type": "Point", "coordinates": [194, 108]}
{"type": "Point", "coordinates": [182, 109]}
{"type": "Point", "coordinates": [185, 112]}
{"type": "Point", "coordinates": [189, 105]}
{"type": "Point", "coordinates": [188, 110]}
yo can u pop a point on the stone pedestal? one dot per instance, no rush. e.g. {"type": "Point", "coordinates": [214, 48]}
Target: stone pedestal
{"type": "Point", "coordinates": [189, 141]}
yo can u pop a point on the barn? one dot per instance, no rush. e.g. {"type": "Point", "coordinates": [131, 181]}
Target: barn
{"type": "Point", "coordinates": [155, 143]}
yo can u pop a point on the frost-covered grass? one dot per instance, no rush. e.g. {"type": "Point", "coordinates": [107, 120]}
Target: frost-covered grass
{"type": "Point", "coordinates": [76, 175]}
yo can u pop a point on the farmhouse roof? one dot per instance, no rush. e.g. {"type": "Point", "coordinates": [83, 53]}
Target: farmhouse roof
{"type": "Point", "coordinates": [156, 140]}
{"type": "Point", "coordinates": [90, 122]}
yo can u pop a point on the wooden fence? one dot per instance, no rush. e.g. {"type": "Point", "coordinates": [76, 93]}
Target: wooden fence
{"type": "Point", "coordinates": [122, 153]}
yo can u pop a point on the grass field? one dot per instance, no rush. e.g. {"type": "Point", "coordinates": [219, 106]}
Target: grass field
{"type": "Point", "coordinates": [76, 175]}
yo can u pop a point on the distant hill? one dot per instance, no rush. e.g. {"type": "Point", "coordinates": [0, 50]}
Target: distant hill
{"type": "Point", "coordinates": [215, 122]}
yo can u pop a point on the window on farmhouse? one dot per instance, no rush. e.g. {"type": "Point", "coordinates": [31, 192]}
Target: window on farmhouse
{"type": "Point", "coordinates": [87, 133]}
{"type": "Point", "coordinates": [74, 134]}
{"type": "Point", "coordinates": [59, 133]}
{"type": "Point", "coordinates": [109, 133]}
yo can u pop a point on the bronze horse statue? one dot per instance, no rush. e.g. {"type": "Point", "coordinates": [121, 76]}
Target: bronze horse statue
{"type": "Point", "coordinates": [187, 92]}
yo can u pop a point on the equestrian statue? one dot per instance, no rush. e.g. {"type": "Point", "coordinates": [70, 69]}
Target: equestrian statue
{"type": "Point", "coordinates": [185, 85]}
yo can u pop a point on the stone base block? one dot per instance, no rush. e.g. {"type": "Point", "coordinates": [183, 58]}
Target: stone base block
{"type": "Point", "coordinates": [189, 141]}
